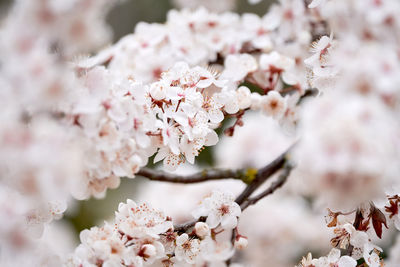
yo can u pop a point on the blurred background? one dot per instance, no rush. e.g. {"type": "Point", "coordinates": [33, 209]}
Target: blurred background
{"type": "Point", "coordinates": [125, 15]}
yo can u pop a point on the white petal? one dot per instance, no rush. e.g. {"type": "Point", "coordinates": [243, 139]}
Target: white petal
{"type": "Point", "coordinates": [359, 239]}
{"type": "Point", "coordinates": [334, 255]}
{"type": "Point", "coordinates": [229, 221]}
{"type": "Point", "coordinates": [200, 211]}
{"type": "Point", "coordinates": [216, 115]}
{"type": "Point", "coordinates": [397, 222]}
{"type": "Point", "coordinates": [347, 261]}
{"type": "Point", "coordinates": [181, 239]}
{"type": "Point", "coordinates": [162, 153]}
{"type": "Point", "coordinates": [204, 83]}
{"type": "Point", "coordinates": [211, 138]}
{"type": "Point", "coordinates": [213, 220]}
{"type": "Point", "coordinates": [235, 209]}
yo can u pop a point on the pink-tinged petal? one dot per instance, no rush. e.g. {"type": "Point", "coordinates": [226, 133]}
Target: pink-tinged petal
{"type": "Point", "coordinates": [228, 221]}
{"type": "Point", "coordinates": [220, 83]}
{"type": "Point", "coordinates": [174, 145]}
{"type": "Point", "coordinates": [162, 153]}
{"type": "Point", "coordinates": [315, 3]}
{"type": "Point", "coordinates": [190, 157]}
{"type": "Point", "coordinates": [204, 83]}
{"type": "Point", "coordinates": [143, 140]}
{"type": "Point", "coordinates": [324, 72]}
{"type": "Point", "coordinates": [181, 239]}
{"type": "Point", "coordinates": [232, 107]}
{"type": "Point", "coordinates": [179, 253]}
{"type": "Point", "coordinates": [235, 209]}
{"type": "Point", "coordinates": [334, 255]}
{"type": "Point", "coordinates": [323, 42]}
{"type": "Point", "coordinates": [397, 222]}
{"type": "Point", "coordinates": [216, 115]}
{"type": "Point", "coordinates": [312, 61]}
{"type": "Point", "coordinates": [347, 261]}
{"type": "Point", "coordinates": [213, 220]}
{"type": "Point", "coordinates": [211, 139]}
{"type": "Point", "coordinates": [200, 211]}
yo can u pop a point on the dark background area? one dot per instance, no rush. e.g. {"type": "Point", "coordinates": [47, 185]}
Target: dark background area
{"type": "Point", "coordinates": [124, 16]}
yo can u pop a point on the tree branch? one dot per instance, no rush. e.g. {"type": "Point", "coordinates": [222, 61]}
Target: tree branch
{"type": "Point", "coordinates": [183, 227]}
{"type": "Point", "coordinates": [273, 187]}
{"type": "Point", "coordinates": [262, 175]}
{"type": "Point", "coordinates": [246, 175]}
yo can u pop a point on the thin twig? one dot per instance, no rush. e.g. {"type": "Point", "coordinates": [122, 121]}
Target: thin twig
{"type": "Point", "coordinates": [274, 186]}
{"type": "Point", "coordinates": [262, 175]}
{"type": "Point", "coordinates": [185, 226]}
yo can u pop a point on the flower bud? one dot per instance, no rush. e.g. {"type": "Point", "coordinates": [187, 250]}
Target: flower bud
{"type": "Point", "coordinates": [157, 91]}
{"type": "Point", "coordinates": [241, 243]}
{"type": "Point", "coordinates": [201, 229]}
{"type": "Point", "coordinates": [244, 97]}
{"type": "Point", "coordinates": [256, 99]}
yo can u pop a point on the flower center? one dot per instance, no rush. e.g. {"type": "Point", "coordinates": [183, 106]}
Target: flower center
{"type": "Point", "coordinates": [224, 209]}
{"type": "Point", "coordinates": [187, 245]}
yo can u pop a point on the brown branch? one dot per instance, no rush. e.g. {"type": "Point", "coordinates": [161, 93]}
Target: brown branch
{"type": "Point", "coordinates": [311, 92]}
{"type": "Point", "coordinates": [262, 175]}
{"type": "Point", "coordinates": [246, 175]}
{"type": "Point", "coordinates": [273, 187]}
{"type": "Point", "coordinates": [185, 226]}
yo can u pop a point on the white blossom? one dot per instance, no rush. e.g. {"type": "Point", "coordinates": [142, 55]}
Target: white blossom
{"type": "Point", "coordinates": [273, 104]}
{"type": "Point", "coordinates": [220, 208]}
{"type": "Point", "coordinates": [141, 220]}
{"type": "Point", "coordinates": [187, 249]}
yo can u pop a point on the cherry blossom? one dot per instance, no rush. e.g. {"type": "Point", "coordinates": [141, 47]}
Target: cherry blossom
{"type": "Point", "coordinates": [219, 208]}
{"type": "Point", "coordinates": [187, 249]}
{"type": "Point", "coordinates": [273, 104]}
{"type": "Point", "coordinates": [141, 220]}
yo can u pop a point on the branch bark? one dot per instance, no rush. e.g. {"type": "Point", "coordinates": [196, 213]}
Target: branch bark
{"type": "Point", "coordinates": [287, 168]}
{"type": "Point", "coordinates": [246, 175]}
{"type": "Point", "coordinates": [262, 175]}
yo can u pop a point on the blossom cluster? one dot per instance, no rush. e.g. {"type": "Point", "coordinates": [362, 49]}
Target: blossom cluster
{"type": "Point", "coordinates": [200, 37]}
{"type": "Point", "coordinates": [354, 235]}
{"type": "Point", "coordinates": [178, 103]}
{"type": "Point", "coordinates": [143, 236]}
